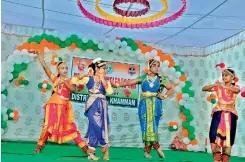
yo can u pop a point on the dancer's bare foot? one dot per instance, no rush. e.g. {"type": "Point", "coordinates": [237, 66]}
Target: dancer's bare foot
{"type": "Point", "coordinates": [147, 155]}
{"type": "Point", "coordinates": [160, 153]}
{"type": "Point", "coordinates": [93, 157]}
{"type": "Point", "coordinates": [37, 150]}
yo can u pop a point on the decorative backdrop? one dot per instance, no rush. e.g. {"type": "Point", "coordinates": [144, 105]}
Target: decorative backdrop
{"type": "Point", "coordinates": [201, 71]}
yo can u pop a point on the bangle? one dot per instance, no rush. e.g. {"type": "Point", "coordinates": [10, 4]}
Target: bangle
{"type": "Point", "coordinates": [165, 96]}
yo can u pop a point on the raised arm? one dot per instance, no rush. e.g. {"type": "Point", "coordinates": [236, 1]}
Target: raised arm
{"type": "Point", "coordinates": [44, 65]}
{"type": "Point", "coordinates": [209, 88]}
{"type": "Point", "coordinates": [126, 83]}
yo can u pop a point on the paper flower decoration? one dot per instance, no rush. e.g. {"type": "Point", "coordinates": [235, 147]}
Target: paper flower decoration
{"type": "Point", "coordinates": [212, 98]}
{"type": "Point", "coordinates": [172, 126]}
{"type": "Point", "coordinates": [243, 92]}
{"type": "Point", "coordinates": [44, 86]}
{"type": "Point", "coordinates": [21, 81]}
{"type": "Point", "coordinates": [55, 59]}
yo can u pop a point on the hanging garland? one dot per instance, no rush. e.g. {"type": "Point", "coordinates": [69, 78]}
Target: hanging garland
{"type": "Point", "coordinates": [121, 46]}
{"type": "Point", "coordinates": [113, 21]}
{"type": "Point", "coordinates": [131, 13]}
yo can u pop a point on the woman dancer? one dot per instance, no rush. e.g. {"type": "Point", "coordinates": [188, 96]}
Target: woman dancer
{"type": "Point", "coordinates": [96, 106]}
{"type": "Point", "coordinates": [59, 125]}
{"type": "Point", "coordinates": [150, 106]}
{"type": "Point", "coordinates": [224, 116]}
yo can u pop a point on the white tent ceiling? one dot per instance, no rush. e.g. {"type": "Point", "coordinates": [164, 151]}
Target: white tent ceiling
{"type": "Point", "coordinates": [204, 22]}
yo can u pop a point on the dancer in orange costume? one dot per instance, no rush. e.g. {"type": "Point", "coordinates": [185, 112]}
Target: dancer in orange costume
{"type": "Point", "coordinates": [59, 125]}
{"type": "Point", "coordinates": [224, 116]}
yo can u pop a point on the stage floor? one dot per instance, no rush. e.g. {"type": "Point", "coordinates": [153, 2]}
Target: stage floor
{"type": "Point", "coordinates": [23, 152]}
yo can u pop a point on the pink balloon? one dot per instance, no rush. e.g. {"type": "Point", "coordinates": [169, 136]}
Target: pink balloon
{"type": "Point", "coordinates": [243, 89]}
{"type": "Point", "coordinates": [243, 94]}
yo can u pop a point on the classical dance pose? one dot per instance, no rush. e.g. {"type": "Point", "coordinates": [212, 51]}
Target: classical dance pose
{"type": "Point", "coordinates": [59, 125]}
{"type": "Point", "coordinates": [150, 106]}
{"type": "Point", "coordinates": [224, 116]}
{"type": "Point", "coordinates": [96, 109]}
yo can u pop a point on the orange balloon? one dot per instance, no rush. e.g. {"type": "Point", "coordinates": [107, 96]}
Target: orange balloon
{"type": "Point", "coordinates": [209, 98]}
{"type": "Point", "coordinates": [183, 78]}
{"type": "Point", "coordinates": [45, 82]}
{"type": "Point", "coordinates": [73, 45]}
{"type": "Point", "coordinates": [171, 64]}
{"type": "Point", "coordinates": [26, 45]}
{"type": "Point", "coordinates": [16, 117]}
{"type": "Point", "coordinates": [183, 117]}
{"type": "Point", "coordinates": [21, 78]}
{"type": "Point", "coordinates": [44, 90]}
{"type": "Point", "coordinates": [52, 62]}
{"type": "Point", "coordinates": [15, 111]}
{"type": "Point", "coordinates": [33, 45]}
{"type": "Point", "coordinates": [19, 47]}
{"type": "Point", "coordinates": [194, 142]}
{"type": "Point", "coordinates": [17, 83]}
{"type": "Point", "coordinates": [44, 43]}
{"type": "Point", "coordinates": [54, 56]}
{"type": "Point", "coordinates": [179, 96]}
{"type": "Point", "coordinates": [213, 96]}
{"type": "Point", "coordinates": [184, 132]}
{"type": "Point", "coordinates": [50, 45]}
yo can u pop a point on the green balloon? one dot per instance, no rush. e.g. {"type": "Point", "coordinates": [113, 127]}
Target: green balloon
{"type": "Point", "coordinates": [21, 82]}
{"type": "Point", "coordinates": [213, 101]}
{"type": "Point", "coordinates": [10, 81]}
{"type": "Point", "coordinates": [74, 38]}
{"type": "Point", "coordinates": [84, 47]}
{"type": "Point", "coordinates": [15, 75]}
{"type": "Point", "coordinates": [95, 48]}
{"type": "Point", "coordinates": [57, 40]}
{"type": "Point", "coordinates": [191, 136]}
{"type": "Point", "coordinates": [5, 92]}
{"type": "Point", "coordinates": [177, 68]}
{"type": "Point", "coordinates": [134, 47]}
{"type": "Point", "coordinates": [185, 124]}
{"type": "Point", "coordinates": [90, 44]}
{"type": "Point", "coordinates": [50, 38]}
{"type": "Point", "coordinates": [189, 118]}
{"type": "Point", "coordinates": [79, 43]}
{"type": "Point", "coordinates": [68, 42]}
{"type": "Point", "coordinates": [3, 124]}
{"type": "Point", "coordinates": [9, 111]}
{"type": "Point", "coordinates": [188, 83]}
{"type": "Point", "coordinates": [182, 108]}
{"type": "Point", "coordinates": [185, 89]}
{"type": "Point", "coordinates": [25, 82]}
{"type": "Point", "coordinates": [62, 45]}
{"type": "Point", "coordinates": [18, 68]}
{"type": "Point", "coordinates": [191, 129]}
{"type": "Point", "coordinates": [130, 41]}
{"type": "Point", "coordinates": [37, 39]}
{"type": "Point", "coordinates": [191, 93]}
{"type": "Point", "coordinates": [30, 40]}
{"type": "Point", "coordinates": [24, 66]}
{"type": "Point", "coordinates": [60, 58]}
{"type": "Point", "coordinates": [171, 129]}
{"type": "Point", "coordinates": [123, 39]}
{"type": "Point", "coordinates": [40, 85]}
{"type": "Point", "coordinates": [182, 73]}
{"type": "Point", "coordinates": [44, 36]}
{"type": "Point", "coordinates": [186, 112]}
{"type": "Point", "coordinates": [49, 87]}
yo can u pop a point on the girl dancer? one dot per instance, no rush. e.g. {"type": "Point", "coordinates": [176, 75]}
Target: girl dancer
{"type": "Point", "coordinates": [59, 125]}
{"type": "Point", "coordinates": [224, 116]}
{"type": "Point", "coordinates": [150, 106]}
{"type": "Point", "coordinates": [96, 106]}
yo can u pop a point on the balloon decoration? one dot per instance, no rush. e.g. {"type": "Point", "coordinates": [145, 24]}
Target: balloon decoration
{"type": "Point", "coordinates": [243, 92]}
{"type": "Point", "coordinates": [55, 59]}
{"type": "Point", "coordinates": [212, 98]}
{"type": "Point", "coordinates": [8, 114]}
{"type": "Point", "coordinates": [21, 82]}
{"type": "Point", "coordinates": [172, 126]}
{"type": "Point", "coordinates": [132, 23]}
{"type": "Point", "coordinates": [119, 46]}
{"type": "Point", "coordinates": [44, 86]}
